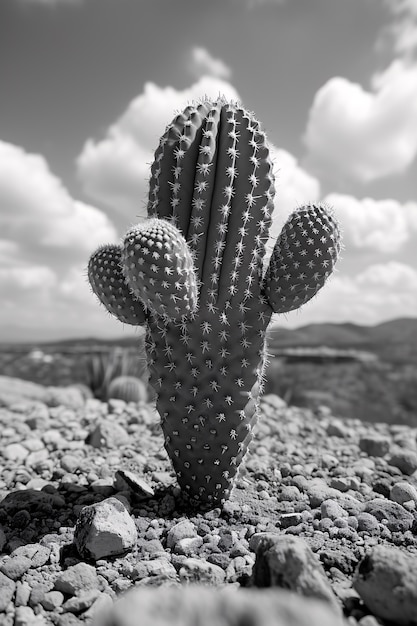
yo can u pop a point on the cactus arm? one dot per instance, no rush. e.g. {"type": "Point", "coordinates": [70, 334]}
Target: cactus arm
{"type": "Point", "coordinates": [158, 266]}
{"type": "Point", "coordinates": [303, 258]}
{"type": "Point", "coordinates": [109, 285]}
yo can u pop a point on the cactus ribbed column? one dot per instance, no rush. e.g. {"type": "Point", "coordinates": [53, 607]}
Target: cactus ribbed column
{"type": "Point", "coordinates": [194, 271]}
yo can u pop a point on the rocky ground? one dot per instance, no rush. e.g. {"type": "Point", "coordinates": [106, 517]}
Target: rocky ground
{"type": "Point", "coordinates": [321, 528]}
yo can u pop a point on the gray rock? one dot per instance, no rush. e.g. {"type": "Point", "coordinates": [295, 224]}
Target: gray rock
{"type": "Point", "coordinates": [405, 460]}
{"type": "Point", "coordinates": [386, 580]}
{"type": "Point", "coordinates": [374, 445]}
{"type": "Point", "coordinates": [25, 616]}
{"type": "Point", "coordinates": [201, 571]}
{"type": "Point", "coordinates": [108, 434]}
{"type": "Point", "coordinates": [125, 480]}
{"type": "Point", "coordinates": [7, 589]}
{"type": "Point", "coordinates": [391, 514]}
{"type": "Point", "coordinates": [104, 529]}
{"type": "Point", "coordinates": [182, 530]}
{"type": "Point", "coordinates": [336, 428]}
{"type": "Point", "coordinates": [77, 578]}
{"type": "Point", "coordinates": [290, 519]}
{"type": "Point", "coordinates": [14, 567]}
{"type": "Point", "coordinates": [52, 600]}
{"type": "Point", "coordinates": [188, 545]}
{"type": "Point", "coordinates": [76, 604]}
{"type": "Point", "coordinates": [332, 509]}
{"type": "Point", "coordinates": [368, 523]}
{"type": "Point", "coordinates": [156, 567]}
{"type": "Point", "coordinates": [288, 561]}
{"type": "Point", "coordinates": [190, 605]}
{"type": "Point", "coordinates": [15, 452]}
{"type": "Point", "coordinates": [403, 492]}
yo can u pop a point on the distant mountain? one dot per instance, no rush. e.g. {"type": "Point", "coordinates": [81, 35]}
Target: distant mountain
{"type": "Point", "coordinates": [394, 341]}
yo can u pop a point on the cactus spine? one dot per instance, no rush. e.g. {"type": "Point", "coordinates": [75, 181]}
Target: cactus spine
{"type": "Point", "coordinates": [194, 271]}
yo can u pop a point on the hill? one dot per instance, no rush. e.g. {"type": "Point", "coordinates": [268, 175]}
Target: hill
{"type": "Point", "coordinates": [394, 341]}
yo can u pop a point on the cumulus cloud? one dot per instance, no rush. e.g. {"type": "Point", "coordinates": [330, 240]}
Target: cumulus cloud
{"type": "Point", "coordinates": [47, 238]}
{"type": "Point", "coordinates": [401, 34]}
{"type": "Point", "coordinates": [365, 135]}
{"type": "Point", "coordinates": [201, 62]}
{"type": "Point", "coordinates": [382, 291]}
{"type": "Point", "coordinates": [379, 225]}
{"type": "Point", "coordinates": [115, 169]}
{"type": "Point", "coordinates": [293, 187]}
{"type": "Point", "coordinates": [38, 212]}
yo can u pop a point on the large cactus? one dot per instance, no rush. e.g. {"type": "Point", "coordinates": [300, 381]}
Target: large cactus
{"type": "Point", "coordinates": [193, 274]}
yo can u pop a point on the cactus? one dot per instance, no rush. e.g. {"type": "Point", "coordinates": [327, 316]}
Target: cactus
{"type": "Point", "coordinates": [194, 271]}
{"type": "Point", "coordinates": [127, 388]}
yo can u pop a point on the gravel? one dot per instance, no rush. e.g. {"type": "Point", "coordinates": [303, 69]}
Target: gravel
{"type": "Point", "coordinates": [90, 510]}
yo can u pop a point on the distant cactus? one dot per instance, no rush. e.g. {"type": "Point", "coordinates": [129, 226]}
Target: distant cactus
{"type": "Point", "coordinates": [127, 388]}
{"type": "Point", "coordinates": [102, 367]}
{"type": "Point", "coordinates": [193, 274]}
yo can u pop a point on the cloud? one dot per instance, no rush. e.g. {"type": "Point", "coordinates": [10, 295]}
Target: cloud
{"type": "Point", "coordinates": [38, 212]}
{"type": "Point", "coordinates": [364, 135]}
{"type": "Point", "coordinates": [202, 63]}
{"type": "Point", "coordinates": [380, 225]}
{"type": "Point", "coordinates": [47, 238]}
{"type": "Point", "coordinates": [115, 169]}
{"type": "Point", "coordinates": [380, 292]}
{"type": "Point", "coordinates": [293, 187]}
{"type": "Point", "coordinates": [401, 35]}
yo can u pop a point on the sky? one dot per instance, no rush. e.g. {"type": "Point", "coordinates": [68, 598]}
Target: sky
{"type": "Point", "coordinates": [88, 86]}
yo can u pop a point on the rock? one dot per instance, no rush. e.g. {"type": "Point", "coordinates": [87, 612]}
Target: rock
{"type": "Point", "coordinates": [188, 545]}
{"type": "Point", "coordinates": [290, 519]}
{"type": "Point", "coordinates": [193, 604]}
{"type": "Point", "coordinates": [288, 561]}
{"type": "Point", "coordinates": [3, 539]}
{"type": "Point", "coordinates": [52, 600]}
{"type": "Point", "coordinates": [405, 460]}
{"type": "Point", "coordinates": [23, 590]}
{"type": "Point", "coordinates": [201, 571]}
{"type": "Point", "coordinates": [108, 434]}
{"type": "Point", "coordinates": [156, 567]}
{"type": "Point", "coordinates": [15, 452]}
{"type": "Point", "coordinates": [368, 523]}
{"type": "Point", "coordinates": [386, 580]}
{"type": "Point", "coordinates": [14, 567]}
{"type": "Point", "coordinates": [403, 492]}
{"type": "Point", "coordinates": [104, 529]}
{"type": "Point", "coordinates": [336, 428]}
{"type": "Point", "coordinates": [332, 509]}
{"type": "Point", "coordinates": [25, 616]}
{"type": "Point", "coordinates": [391, 514]}
{"type": "Point", "coordinates": [76, 604]}
{"type": "Point", "coordinates": [182, 530]}
{"type": "Point", "coordinates": [125, 480]}
{"type": "Point", "coordinates": [374, 445]}
{"type": "Point", "coordinates": [77, 578]}
{"type": "Point", "coordinates": [70, 463]}
{"type": "Point", "coordinates": [7, 589]}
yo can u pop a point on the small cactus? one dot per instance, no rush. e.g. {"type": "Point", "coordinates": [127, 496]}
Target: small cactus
{"type": "Point", "coordinates": [193, 274]}
{"type": "Point", "coordinates": [127, 388]}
